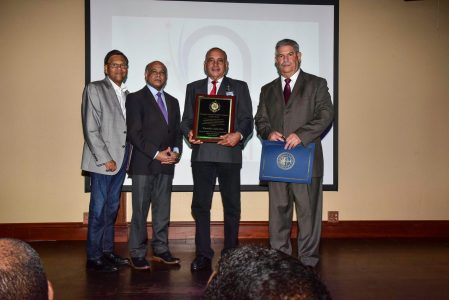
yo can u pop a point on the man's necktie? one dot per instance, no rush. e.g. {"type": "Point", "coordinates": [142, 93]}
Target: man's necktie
{"type": "Point", "coordinates": [162, 106]}
{"type": "Point", "coordinates": [214, 88]}
{"type": "Point", "coordinates": [287, 90]}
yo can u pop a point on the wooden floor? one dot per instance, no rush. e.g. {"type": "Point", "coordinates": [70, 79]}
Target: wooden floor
{"type": "Point", "coordinates": [351, 269]}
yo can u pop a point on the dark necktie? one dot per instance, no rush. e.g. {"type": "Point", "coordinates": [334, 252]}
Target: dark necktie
{"type": "Point", "coordinates": [162, 106]}
{"type": "Point", "coordinates": [287, 90]}
{"type": "Point", "coordinates": [214, 88]}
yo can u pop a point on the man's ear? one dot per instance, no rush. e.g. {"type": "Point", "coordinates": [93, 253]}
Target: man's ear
{"type": "Point", "coordinates": [51, 292]}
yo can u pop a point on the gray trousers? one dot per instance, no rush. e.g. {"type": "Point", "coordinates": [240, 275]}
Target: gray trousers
{"type": "Point", "coordinates": [308, 201]}
{"type": "Point", "coordinates": [149, 190]}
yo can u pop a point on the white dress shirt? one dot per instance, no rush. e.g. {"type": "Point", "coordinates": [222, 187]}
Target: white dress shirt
{"type": "Point", "coordinates": [210, 86]}
{"type": "Point", "coordinates": [121, 96]}
{"type": "Point", "coordinates": [292, 82]}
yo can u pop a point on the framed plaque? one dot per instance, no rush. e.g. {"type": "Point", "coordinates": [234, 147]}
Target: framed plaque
{"type": "Point", "coordinates": [213, 117]}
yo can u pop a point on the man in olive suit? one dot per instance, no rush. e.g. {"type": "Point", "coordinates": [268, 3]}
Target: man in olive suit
{"type": "Point", "coordinates": [295, 108]}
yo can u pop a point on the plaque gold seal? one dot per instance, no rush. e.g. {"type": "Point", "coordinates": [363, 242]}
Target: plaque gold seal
{"type": "Point", "coordinates": [214, 106]}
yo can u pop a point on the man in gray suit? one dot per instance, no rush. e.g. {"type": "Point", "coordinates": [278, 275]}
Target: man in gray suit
{"type": "Point", "coordinates": [295, 108]}
{"type": "Point", "coordinates": [105, 157]}
{"type": "Point", "coordinates": [222, 159]}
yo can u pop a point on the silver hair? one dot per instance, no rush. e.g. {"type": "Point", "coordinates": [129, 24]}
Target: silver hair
{"type": "Point", "coordinates": [287, 42]}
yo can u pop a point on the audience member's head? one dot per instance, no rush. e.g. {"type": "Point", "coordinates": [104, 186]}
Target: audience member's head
{"type": "Point", "coordinates": [252, 272]}
{"type": "Point", "coordinates": [22, 275]}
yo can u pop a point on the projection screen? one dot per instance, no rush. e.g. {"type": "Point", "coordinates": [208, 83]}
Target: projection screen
{"type": "Point", "coordinates": [179, 33]}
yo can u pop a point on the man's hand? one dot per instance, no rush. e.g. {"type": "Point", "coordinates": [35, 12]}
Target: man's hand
{"type": "Point", "coordinates": [111, 166]}
{"type": "Point", "coordinates": [166, 157]}
{"type": "Point", "coordinates": [276, 136]}
{"type": "Point", "coordinates": [230, 139]}
{"type": "Point", "coordinates": [192, 140]}
{"type": "Point", "coordinates": [176, 156]}
{"type": "Point", "coordinates": [292, 141]}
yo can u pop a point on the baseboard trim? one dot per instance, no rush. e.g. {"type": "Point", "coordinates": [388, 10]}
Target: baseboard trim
{"type": "Point", "coordinates": [248, 230]}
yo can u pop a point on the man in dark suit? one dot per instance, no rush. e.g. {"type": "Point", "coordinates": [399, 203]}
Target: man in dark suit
{"type": "Point", "coordinates": [153, 120]}
{"type": "Point", "coordinates": [105, 158]}
{"type": "Point", "coordinates": [222, 159]}
{"type": "Point", "coordinates": [295, 108]}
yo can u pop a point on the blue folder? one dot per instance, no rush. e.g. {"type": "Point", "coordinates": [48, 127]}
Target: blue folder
{"type": "Point", "coordinates": [278, 164]}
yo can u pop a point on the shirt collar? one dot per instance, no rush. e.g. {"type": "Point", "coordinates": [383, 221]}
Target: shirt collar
{"type": "Point", "coordinates": [293, 77]}
{"type": "Point", "coordinates": [154, 91]}
{"type": "Point", "coordinates": [219, 80]}
{"type": "Point", "coordinates": [119, 89]}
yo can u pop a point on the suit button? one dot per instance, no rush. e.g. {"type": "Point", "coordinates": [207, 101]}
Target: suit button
{"type": "Point", "coordinates": [124, 132]}
{"type": "Point", "coordinates": [123, 146]}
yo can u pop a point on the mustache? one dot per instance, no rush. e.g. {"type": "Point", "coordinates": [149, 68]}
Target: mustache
{"type": "Point", "coordinates": [288, 64]}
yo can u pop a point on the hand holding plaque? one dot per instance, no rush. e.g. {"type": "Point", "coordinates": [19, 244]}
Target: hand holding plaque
{"type": "Point", "coordinates": [213, 117]}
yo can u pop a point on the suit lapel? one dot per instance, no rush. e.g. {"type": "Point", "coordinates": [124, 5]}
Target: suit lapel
{"type": "Point", "coordinates": [278, 96]}
{"type": "Point", "coordinates": [202, 88]}
{"type": "Point", "coordinates": [169, 103]}
{"type": "Point", "coordinates": [149, 98]}
{"type": "Point", "coordinates": [154, 104]}
{"type": "Point", "coordinates": [113, 96]}
{"type": "Point", "coordinates": [298, 89]}
{"type": "Point", "coordinates": [126, 97]}
{"type": "Point", "coordinates": [224, 86]}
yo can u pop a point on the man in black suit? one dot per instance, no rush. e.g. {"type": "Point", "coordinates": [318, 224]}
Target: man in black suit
{"type": "Point", "coordinates": [222, 159]}
{"type": "Point", "coordinates": [153, 122]}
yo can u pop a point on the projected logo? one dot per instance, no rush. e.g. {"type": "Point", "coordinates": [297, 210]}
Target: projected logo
{"type": "Point", "coordinates": [285, 161]}
{"type": "Point", "coordinates": [214, 107]}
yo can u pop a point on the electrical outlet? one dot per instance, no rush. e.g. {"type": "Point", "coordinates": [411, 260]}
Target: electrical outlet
{"type": "Point", "coordinates": [85, 218]}
{"type": "Point", "coordinates": [332, 216]}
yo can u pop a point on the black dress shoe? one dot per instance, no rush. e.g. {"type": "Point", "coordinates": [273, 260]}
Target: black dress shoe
{"type": "Point", "coordinates": [100, 265]}
{"type": "Point", "coordinates": [140, 263]}
{"type": "Point", "coordinates": [115, 259]}
{"type": "Point", "coordinates": [200, 263]}
{"type": "Point", "coordinates": [166, 258]}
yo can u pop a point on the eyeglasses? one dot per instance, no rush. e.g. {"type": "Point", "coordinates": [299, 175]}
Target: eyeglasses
{"type": "Point", "coordinates": [121, 66]}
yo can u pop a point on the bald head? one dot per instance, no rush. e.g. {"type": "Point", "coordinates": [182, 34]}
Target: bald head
{"type": "Point", "coordinates": [156, 74]}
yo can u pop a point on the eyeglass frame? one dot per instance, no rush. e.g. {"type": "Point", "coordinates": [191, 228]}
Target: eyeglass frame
{"type": "Point", "coordinates": [117, 66]}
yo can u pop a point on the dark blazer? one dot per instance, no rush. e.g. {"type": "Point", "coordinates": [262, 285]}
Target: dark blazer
{"type": "Point", "coordinates": [308, 112]}
{"type": "Point", "coordinates": [148, 132]}
{"type": "Point", "coordinates": [244, 124]}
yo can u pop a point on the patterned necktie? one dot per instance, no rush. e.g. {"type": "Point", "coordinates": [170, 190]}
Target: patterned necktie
{"type": "Point", "coordinates": [287, 90]}
{"type": "Point", "coordinates": [162, 106]}
{"type": "Point", "coordinates": [214, 88]}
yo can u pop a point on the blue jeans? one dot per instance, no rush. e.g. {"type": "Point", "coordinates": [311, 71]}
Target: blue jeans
{"type": "Point", "coordinates": [103, 207]}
